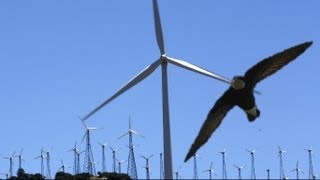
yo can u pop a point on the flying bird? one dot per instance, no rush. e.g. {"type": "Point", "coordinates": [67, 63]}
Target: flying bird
{"type": "Point", "coordinates": [241, 93]}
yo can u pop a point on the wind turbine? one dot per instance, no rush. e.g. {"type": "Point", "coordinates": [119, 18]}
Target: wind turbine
{"type": "Point", "coordinates": [63, 166]}
{"type": "Point", "coordinates": [311, 173]}
{"type": "Point", "coordinates": [5, 174]}
{"type": "Point", "coordinates": [48, 174]}
{"type": "Point", "coordinates": [253, 169]}
{"type": "Point", "coordinates": [103, 156]}
{"type": "Point", "coordinates": [88, 165]}
{"type": "Point", "coordinates": [297, 170]}
{"type": "Point", "coordinates": [224, 166]}
{"type": "Point", "coordinates": [20, 158]}
{"type": "Point", "coordinates": [114, 167]}
{"type": "Point", "coordinates": [76, 159]}
{"type": "Point", "coordinates": [161, 166]}
{"type": "Point", "coordinates": [119, 165]}
{"type": "Point", "coordinates": [41, 156]}
{"type": "Point", "coordinates": [132, 169]}
{"type": "Point", "coordinates": [177, 173]}
{"type": "Point", "coordinates": [11, 163]}
{"type": "Point", "coordinates": [195, 167]}
{"type": "Point", "coordinates": [239, 168]}
{"type": "Point", "coordinates": [282, 175]}
{"type": "Point", "coordinates": [268, 174]}
{"type": "Point", "coordinates": [164, 60]}
{"type": "Point", "coordinates": [147, 167]}
{"type": "Point", "coordinates": [210, 171]}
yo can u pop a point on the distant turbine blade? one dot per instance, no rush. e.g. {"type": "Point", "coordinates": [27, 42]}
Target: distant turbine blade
{"type": "Point", "coordinates": [157, 25]}
{"type": "Point", "coordinates": [139, 77]}
{"type": "Point", "coordinates": [123, 135]}
{"type": "Point", "coordinates": [138, 134]}
{"type": "Point", "coordinates": [197, 69]}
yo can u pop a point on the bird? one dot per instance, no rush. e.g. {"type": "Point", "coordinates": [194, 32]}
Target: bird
{"type": "Point", "coordinates": [241, 93]}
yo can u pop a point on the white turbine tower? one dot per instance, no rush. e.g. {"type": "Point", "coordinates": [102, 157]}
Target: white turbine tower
{"type": "Point", "coordinates": [147, 167]}
{"type": "Point", "coordinates": [253, 168]}
{"type": "Point", "coordinates": [210, 171]}
{"type": "Point", "coordinates": [164, 60]}
{"type": "Point", "coordinates": [297, 170]}
{"type": "Point", "coordinates": [282, 175]}
{"type": "Point", "coordinates": [239, 168]}
{"type": "Point", "coordinates": [42, 157]}
{"type": "Point", "coordinates": [311, 173]}
{"type": "Point", "coordinates": [11, 163]}
{"type": "Point", "coordinates": [104, 167]}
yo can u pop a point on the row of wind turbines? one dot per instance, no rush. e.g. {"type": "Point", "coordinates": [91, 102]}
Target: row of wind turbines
{"type": "Point", "coordinates": [89, 162]}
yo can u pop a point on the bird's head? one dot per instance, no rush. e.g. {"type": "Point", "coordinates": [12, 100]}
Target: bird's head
{"type": "Point", "coordinates": [238, 83]}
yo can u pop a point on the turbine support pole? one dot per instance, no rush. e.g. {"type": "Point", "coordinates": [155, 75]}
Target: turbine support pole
{"type": "Point", "coordinates": [166, 123]}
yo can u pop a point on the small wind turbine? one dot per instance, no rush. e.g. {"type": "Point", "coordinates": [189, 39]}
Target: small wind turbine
{"type": "Point", "coordinates": [239, 168]}
{"type": "Point", "coordinates": [311, 173]}
{"type": "Point", "coordinates": [5, 174]}
{"type": "Point", "coordinates": [282, 175]}
{"type": "Point", "coordinates": [76, 159]}
{"type": "Point", "coordinates": [253, 169]}
{"type": "Point", "coordinates": [297, 170]}
{"type": "Point", "coordinates": [104, 169]}
{"type": "Point", "coordinates": [224, 166]}
{"type": "Point", "coordinates": [147, 167]}
{"type": "Point", "coordinates": [161, 166]}
{"type": "Point", "coordinates": [119, 165]}
{"type": "Point", "coordinates": [210, 171]}
{"type": "Point", "coordinates": [114, 166]}
{"type": "Point", "coordinates": [63, 166]}
{"type": "Point", "coordinates": [20, 158]}
{"type": "Point", "coordinates": [268, 174]}
{"type": "Point", "coordinates": [88, 166]}
{"type": "Point", "coordinates": [164, 60]}
{"type": "Point", "coordinates": [177, 173]}
{"type": "Point", "coordinates": [11, 163]}
{"type": "Point", "coordinates": [132, 169]}
{"type": "Point", "coordinates": [48, 174]}
{"type": "Point", "coordinates": [195, 167]}
{"type": "Point", "coordinates": [41, 156]}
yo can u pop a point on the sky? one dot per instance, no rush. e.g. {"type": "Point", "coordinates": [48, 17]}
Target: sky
{"type": "Point", "coordinates": [61, 59]}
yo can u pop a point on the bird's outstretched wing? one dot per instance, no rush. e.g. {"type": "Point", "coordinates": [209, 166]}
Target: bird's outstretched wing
{"type": "Point", "coordinates": [272, 64]}
{"type": "Point", "coordinates": [212, 122]}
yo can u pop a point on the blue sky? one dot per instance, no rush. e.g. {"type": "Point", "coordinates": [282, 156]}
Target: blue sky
{"type": "Point", "coordinates": [60, 59]}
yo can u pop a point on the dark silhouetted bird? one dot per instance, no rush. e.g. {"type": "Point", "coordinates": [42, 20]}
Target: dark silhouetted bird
{"type": "Point", "coordinates": [241, 93]}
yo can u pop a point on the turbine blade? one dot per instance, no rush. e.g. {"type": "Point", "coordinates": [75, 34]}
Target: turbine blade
{"type": "Point", "coordinates": [139, 77]}
{"type": "Point", "coordinates": [85, 134]}
{"type": "Point", "coordinates": [197, 69]}
{"type": "Point", "coordinates": [157, 26]}
{"type": "Point", "coordinates": [136, 133]}
{"type": "Point", "coordinates": [123, 135]}
{"type": "Point", "coordinates": [84, 123]}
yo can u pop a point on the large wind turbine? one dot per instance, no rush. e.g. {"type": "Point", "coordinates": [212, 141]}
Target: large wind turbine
{"type": "Point", "coordinates": [164, 60]}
